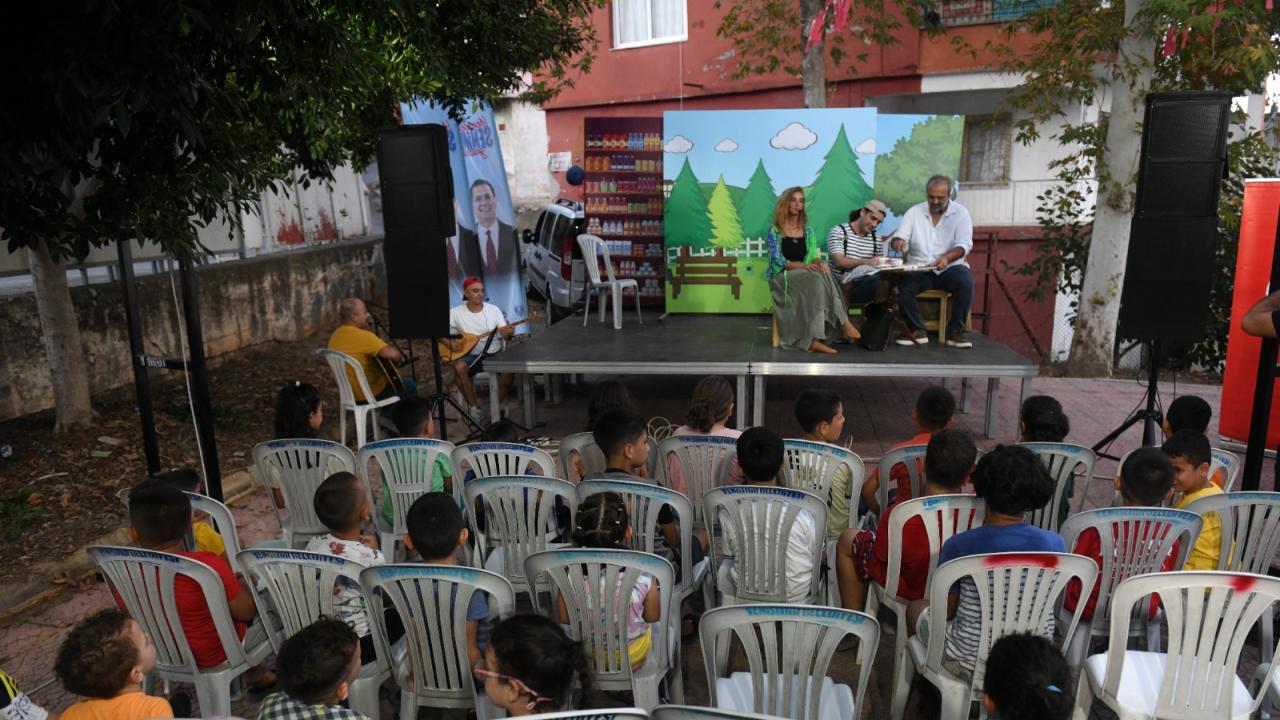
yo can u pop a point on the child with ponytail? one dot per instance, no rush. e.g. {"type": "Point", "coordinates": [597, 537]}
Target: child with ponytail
{"type": "Point", "coordinates": [1027, 677]}
{"type": "Point", "coordinates": [530, 665]}
{"type": "Point", "coordinates": [602, 523]}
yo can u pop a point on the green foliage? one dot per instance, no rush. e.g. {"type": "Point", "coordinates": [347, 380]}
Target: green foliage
{"type": "Point", "coordinates": [933, 147]}
{"type": "Point", "coordinates": [137, 119]}
{"type": "Point", "coordinates": [17, 513]}
{"type": "Point", "coordinates": [684, 220]}
{"type": "Point", "coordinates": [726, 229]}
{"type": "Point", "coordinates": [838, 188]}
{"type": "Point", "coordinates": [756, 210]}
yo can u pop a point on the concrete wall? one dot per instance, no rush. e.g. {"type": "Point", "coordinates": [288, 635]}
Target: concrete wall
{"type": "Point", "coordinates": [283, 296]}
{"type": "Point", "coordinates": [522, 130]}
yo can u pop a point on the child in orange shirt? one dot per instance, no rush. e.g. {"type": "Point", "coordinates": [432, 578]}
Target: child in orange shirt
{"type": "Point", "coordinates": [105, 658]}
{"type": "Point", "coordinates": [934, 408]}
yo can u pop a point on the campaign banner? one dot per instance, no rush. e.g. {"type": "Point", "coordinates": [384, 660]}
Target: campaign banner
{"type": "Point", "coordinates": [485, 244]}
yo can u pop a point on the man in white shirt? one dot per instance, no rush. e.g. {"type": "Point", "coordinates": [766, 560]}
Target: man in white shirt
{"type": "Point", "coordinates": [475, 317]}
{"type": "Point", "coordinates": [937, 232]}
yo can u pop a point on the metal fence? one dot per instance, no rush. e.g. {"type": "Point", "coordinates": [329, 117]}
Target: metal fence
{"type": "Point", "coordinates": [980, 12]}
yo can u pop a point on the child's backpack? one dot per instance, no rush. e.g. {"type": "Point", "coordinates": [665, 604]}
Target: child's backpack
{"type": "Point", "coordinates": [880, 319]}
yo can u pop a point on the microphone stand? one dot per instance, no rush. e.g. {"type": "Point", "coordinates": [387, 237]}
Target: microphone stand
{"type": "Point", "coordinates": [380, 329]}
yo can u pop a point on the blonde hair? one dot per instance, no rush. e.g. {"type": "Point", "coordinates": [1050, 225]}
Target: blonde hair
{"type": "Point", "coordinates": [780, 209]}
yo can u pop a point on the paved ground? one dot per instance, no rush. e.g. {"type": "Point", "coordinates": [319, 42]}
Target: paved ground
{"type": "Point", "coordinates": [878, 414]}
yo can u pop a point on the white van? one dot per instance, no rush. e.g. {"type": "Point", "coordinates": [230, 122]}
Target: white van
{"type": "Point", "coordinates": [553, 262]}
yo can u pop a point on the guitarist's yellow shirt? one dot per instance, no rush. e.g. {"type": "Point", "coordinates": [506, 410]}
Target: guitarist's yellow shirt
{"type": "Point", "coordinates": [364, 346]}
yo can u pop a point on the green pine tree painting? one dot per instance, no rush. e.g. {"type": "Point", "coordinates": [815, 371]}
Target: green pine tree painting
{"type": "Point", "coordinates": [756, 212]}
{"type": "Point", "coordinates": [726, 229]}
{"type": "Point", "coordinates": [685, 219]}
{"type": "Point", "coordinates": [838, 188]}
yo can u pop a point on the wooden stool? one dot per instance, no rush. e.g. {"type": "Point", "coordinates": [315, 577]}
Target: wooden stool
{"type": "Point", "coordinates": [775, 330]}
{"type": "Point", "coordinates": [944, 314]}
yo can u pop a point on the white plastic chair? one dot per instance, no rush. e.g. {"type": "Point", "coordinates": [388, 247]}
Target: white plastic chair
{"type": "Point", "coordinates": [1132, 541]}
{"type": "Point", "coordinates": [758, 521]}
{"type": "Point", "coordinates": [144, 580]}
{"type": "Point", "coordinates": [1209, 614]}
{"type": "Point", "coordinates": [695, 464]}
{"type": "Point", "coordinates": [1228, 462]}
{"type": "Point", "coordinates": [497, 459]}
{"type": "Point", "coordinates": [812, 466]}
{"type": "Point", "coordinates": [224, 523]}
{"type": "Point", "coordinates": [910, 457]}
{"type": "Point", "coordinates": [693, 712]}
{"type": "Point", "coordinates": [1065, 462]}
{"type": "Point", "coordinates": [644, 502]}
{"type": "Point", "coordinates": [361, 412]}
{"type": "Point", "coordinates": [300, 466]}
{"type": "Point", "coordinates": [1250, 539]}
{"type": "Point", "coordinates": [302, 587]}
{"type": "Point", "coordinates": [405, 471]}
{"type": "Point", "coordinates": [942, 516]}
{"type": "Point", "coordinates": [432, 601]}
{"type": "Point", "coordinates": [619, 714]}
{"type": "Point", "coordinates": [1017, 592]}
{"type": "Point", "coordinates": [789, 650]}
{"type": "Point", "coordinates": [520, 520]}
{"type": "Point", "coordinates": [584, 444]}
{"type": "Point", "coordinates": [596, 586]}
{"type": "Point", "coordinates": [592, 247]}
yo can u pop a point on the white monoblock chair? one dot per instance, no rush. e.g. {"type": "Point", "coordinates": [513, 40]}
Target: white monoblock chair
{"type": "Point", "coordinates": [144, 581]}
{"type": "Point", "coordinates": [757, 521]}
{"type": "Point", "coordinates": [911, 458]}
{"type": "Point", "coordinates": [644, 502]}
{"type": "Point", "coordinates": [302, 587]}
{"type": "Point", "coordinates": [813, 466]}
{"type": "Point", "coordinates": [593, 247]}
{"type": "Point", "coordinates": [1229, 462]}
{"type": "Point", "coordinates": [584, 444]}
{"type": "Point", "coordinates": [405, 469]}
{"type": "Point", "coordinates": [693, 712]}
{"type": "Point", "coordinates": [611, 714]}
{"type": "Point", "coordinates": [224, 523]}
{"type": "Point", "coordinates": [596, 586]}
{"type": "Point", "coordinates": [362, 412]}
{"type": "Point", "coordinates": [787, 678]}
{"type": "Point", "coordinates": [432, 602]}
{"type": "Point", "coordinates": [942, 517]}
{"type": "Point", "coordinates": [520, 521]}
{"type": "Point", "coordinates": [494, 459]}
{"type": "Point", "coordinates": [696, 464]}
{"type": "Point", "coordinates": [1132, 541]}
{"type": "Point", "coordinates": [300, 466]}
{"type": "Point", "coordinates": [1018, 593]}
{"type": "Point", "coordinates": [1209, 614]}
{"type": "Point", "coordinates": [1065, 462]}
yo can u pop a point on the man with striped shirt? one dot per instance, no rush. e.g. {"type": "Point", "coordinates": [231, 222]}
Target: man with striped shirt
{"type": "Point", "coordinates": [854, 250]}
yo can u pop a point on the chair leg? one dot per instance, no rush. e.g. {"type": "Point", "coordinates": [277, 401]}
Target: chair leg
{"type": "Point", "coordinates": [943, 317]}
{"type": "Point", "coordinates": [342, 427]}
{"type": "Point", "coordinates": [213, 692]}
{"type": "Point", "coordinates": [639, 317]}
{"type": "Point", "coordinates": [495, 403]}
{"type": "Point", "coordinates": [374, 417]}
{"type": "Point", "coordinates": [775, 331]}
{"type": "Point", "coordinates": [586, 312]}
{"type": "Point", "coordinates": [956, 702]}
{"type": "Point", "coordinates": [363, 696]}
{"type": "Point", "coordinates": [904, 672]}
{"type": "Point", "coordinates": [361, 418]}
{"type": "Point", "coordinates": [1084, 698]}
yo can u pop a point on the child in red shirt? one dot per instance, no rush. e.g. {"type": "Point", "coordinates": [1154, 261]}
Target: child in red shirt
{"type": "Point", "coordinates": [947, 463]}
{"type": "Point", "coordinates": [934, 408]}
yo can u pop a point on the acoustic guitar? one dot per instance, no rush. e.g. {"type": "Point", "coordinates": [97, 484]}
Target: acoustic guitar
{"type": "Point", "coordinates": [393, 374]}
{"type": "Point", "coordinates": [469, 341]}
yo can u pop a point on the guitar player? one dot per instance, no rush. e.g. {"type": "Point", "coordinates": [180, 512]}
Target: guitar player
{"type": "Point", "coordinates": [354, 338]}
{"type": "Point", "coordinates": [476, 317]}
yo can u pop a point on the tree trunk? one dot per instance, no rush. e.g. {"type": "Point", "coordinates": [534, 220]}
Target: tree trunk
{"type": "Point", "coordinates": [1093, 344]}
{"type": "Point", "coordinates": [813, 68]}
{"type": "Point", "coordinates": [68, 372]}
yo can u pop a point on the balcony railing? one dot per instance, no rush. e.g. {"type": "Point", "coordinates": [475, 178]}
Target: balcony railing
{"type": "Point", "coordinates": [1013, 203]}
{"type": "Point", "coordinates": [979, 12]}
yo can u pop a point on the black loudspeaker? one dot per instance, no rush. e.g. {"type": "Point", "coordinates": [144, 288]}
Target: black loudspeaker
{"type": "Point", "coordinates": [417, 211]}
{"type": "Point", "coordinates": [1169, 270]}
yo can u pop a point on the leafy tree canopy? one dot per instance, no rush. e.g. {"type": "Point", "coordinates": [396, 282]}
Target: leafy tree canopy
{"type": "Point", "coordinates": [130, 118]}
{"type": "Point", "coordinates": [932, 147]}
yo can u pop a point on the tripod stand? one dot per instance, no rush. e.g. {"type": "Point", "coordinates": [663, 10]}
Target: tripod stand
{"type": "Point", "coordinates": [1150, 417]}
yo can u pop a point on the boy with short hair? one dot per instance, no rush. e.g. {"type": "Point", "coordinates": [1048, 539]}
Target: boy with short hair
{"type": "Point", "coordinates": [438, 534]}
{"type": "Point", "coordinates": [1189, 412]}
{"type": "Point", "coordinates": [1188, 451]}
{"type": "Point", "coordinates": [820, 413]}
{"type": "Point", "coordinates": [159, 518]}
{"type": "Point", "coordinates": [760, 455]}
{"type": "Point", "coordinates": [342, 504]}
{"type": "Point", "coordinates": [1145, 480]}
{"type": "Point", "coordinates": [105, 658]}
{"type": "Point", "coordinates": [863, 556]}
{"type": "Point", "coordinates": [188, 480]}
{"type": "Point", "coordinates": [317, 666]}
{"type": "Point", "coordinates": [934, 409]}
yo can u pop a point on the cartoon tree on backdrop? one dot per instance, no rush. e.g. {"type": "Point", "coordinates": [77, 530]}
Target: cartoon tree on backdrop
{"type": "Point", "coordinates": [838, 188]}
{"type": "Point", "coordinates": [685, 217]}
{"type": "Point", "coordinates": [933, 147]}
{"type": "Point", "coordinates": [726, 228]}
{"type": "Point", "coordinates": [756, 212]}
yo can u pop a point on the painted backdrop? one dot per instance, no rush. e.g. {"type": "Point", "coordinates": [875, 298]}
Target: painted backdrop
{"type": "Point", "coordinates": [723, 172]}
{"type": "Point", "coordinates": [485, 244]}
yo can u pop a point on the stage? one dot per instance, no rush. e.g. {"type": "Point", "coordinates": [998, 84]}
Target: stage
{"type": "Point", "coordinates": [740, 345]}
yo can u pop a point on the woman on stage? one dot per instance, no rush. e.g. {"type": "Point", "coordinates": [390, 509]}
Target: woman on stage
{"type": "Point", "coordinates": [808, 306]}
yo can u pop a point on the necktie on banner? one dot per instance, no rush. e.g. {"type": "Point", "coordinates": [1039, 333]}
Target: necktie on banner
{"type": "Point", "coordinates": [453, 259]}
{"type": "Point", "coordinates": [491, 254]}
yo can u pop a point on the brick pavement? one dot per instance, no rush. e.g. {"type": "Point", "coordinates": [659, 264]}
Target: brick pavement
{"type": "Point", "coordinates": [878, 412]}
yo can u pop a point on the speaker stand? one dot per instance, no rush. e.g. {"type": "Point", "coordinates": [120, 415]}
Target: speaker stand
{"type": "Point", "coordinates": [1150, 417]}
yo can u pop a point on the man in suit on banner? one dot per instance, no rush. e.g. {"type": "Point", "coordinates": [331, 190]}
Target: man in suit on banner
{"type": "Point", "coordinates": [495, 241]}
{"type": "Point", "coordinates": [463, 258]}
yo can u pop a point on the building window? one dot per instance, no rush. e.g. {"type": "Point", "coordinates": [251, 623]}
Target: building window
{"type": "Point", "coordinates": [648, 22]}
{"type": "Point", "coordinates": [987, 140]}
